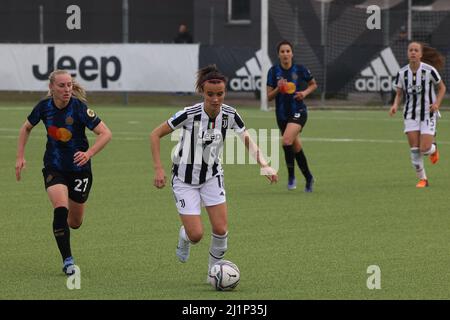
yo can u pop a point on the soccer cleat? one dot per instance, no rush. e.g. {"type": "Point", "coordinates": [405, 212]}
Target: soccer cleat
{"type": "Point", "coordinates": [309, 185]}
{"type": "Point", "coordinates": [422, 183]}
{"type": "Point", "coordinates": [434, 157]}
{"type": "Point", "coordinates": [292, 184]}
{"type": "Point", "coordinates": [183, 247]}
{"type": "Point", "coordinates": [69, 266]}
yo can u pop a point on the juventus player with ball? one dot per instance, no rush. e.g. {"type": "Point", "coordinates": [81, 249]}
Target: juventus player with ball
{"type": "Point", "coordinates": [197, 175]}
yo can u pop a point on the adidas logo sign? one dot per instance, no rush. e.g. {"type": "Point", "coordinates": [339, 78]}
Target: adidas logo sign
{"type": "Point", "coordinates": [380, 74]}
{"type": "Point", "coordinates": [248, 78]}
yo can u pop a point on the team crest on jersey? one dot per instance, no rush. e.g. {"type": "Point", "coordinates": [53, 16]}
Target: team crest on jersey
{"type": "Point", "coordinates": [294, 76]}
{"type": "Point", "coordinates": [90, 113]}
{"type": "Point", "coordinates": [69, 121]}
{"type": "Point", "coordinates": [224, 123]}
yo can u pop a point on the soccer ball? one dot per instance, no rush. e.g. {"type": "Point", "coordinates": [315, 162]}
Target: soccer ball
{"type": "Point", "coordinates": [224, 275]}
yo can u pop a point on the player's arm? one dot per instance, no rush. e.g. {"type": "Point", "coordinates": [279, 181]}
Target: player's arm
{"type": "Point", "coordinates": [155, 144]}
{"type": "Point", "coordinates": [441, 92]}
{"type": "Point", "coordinates": [104, 135]}
{"type": "Point", "coordinates": [256, 153]}
{"type": "Point", "coordinates": [397, 100]}
{"type": "Point", "coordinates": [300, 95]}
{"type": "Point", "coordinates": [272, 93]}
{"type": "Point", "coordinates": [24, 133]}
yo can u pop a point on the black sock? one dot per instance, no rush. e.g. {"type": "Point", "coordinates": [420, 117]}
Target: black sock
{"type": "Point", "coordinates": [61, 231]}
{"type": "Point", "coordinates": [303, 164]}
{"type": "Point", "coordinates": [289, 156]}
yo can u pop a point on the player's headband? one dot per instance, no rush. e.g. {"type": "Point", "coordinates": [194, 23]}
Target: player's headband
{"type": "Point", "coordinates": [213, 81]}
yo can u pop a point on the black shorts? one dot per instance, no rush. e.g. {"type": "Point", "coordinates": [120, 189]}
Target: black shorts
{"type": "Point", "coordinates": [300, 119]}
{"type": "Point", "coordinates": [78, 183]}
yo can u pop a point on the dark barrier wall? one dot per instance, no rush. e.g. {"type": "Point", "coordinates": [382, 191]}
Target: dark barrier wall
{"type": "Point", "coordinates": [101, 20]}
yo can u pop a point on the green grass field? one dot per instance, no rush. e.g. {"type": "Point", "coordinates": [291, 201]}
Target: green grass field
{"type": "Point", "coordinates": [365, 210]}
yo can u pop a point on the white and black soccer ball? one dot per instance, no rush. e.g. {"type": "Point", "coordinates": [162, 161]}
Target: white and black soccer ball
{"type": "Point", "coordinates": [224, 275]}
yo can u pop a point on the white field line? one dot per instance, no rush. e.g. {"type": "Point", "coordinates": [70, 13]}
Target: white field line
{"type": "Point", "coordinates": [145, 138]}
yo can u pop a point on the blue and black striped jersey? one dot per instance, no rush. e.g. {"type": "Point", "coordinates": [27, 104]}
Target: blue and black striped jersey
{"type": "Point", "coordinates": [65, 132]}
{"type": "Point", "coordinates": [286, 105]}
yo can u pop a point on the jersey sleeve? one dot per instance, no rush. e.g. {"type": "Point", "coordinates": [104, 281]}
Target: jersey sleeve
{"type": "Point", "coordinates": [238, 125]}
{"type": "Point", "coordinates": [88, 117]}
{"type": "Point", "coordinates": [35, 116]}
{"type": "Point", "coordinates": [397, 82]}
{"type": "Point", "coordinates": [435, 76]}
{"type": "Point", "coordinates": [178, 119]}
{"type": "Point", "coordinates": [307, 75]}
{"type": "Point", "coordinates": [271, 80]}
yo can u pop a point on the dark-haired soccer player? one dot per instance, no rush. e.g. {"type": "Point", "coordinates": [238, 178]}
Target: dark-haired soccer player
{"type": "Point", "coordinates": [197, 175]}
{"type": "Point", "coordinates": [67, 166]}
{"type": "Point", "coordinates": [284, 82]}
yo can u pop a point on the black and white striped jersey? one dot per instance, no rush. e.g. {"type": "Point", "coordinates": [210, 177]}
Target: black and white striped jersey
{"type": "Point", "coordinates": [197, 154]}
{"type": "Point", "coordinates": [418, 90]}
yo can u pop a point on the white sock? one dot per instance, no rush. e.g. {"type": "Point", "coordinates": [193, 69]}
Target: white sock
{"type": "Point", "coordinates": [218, 248]}
{"type": "Point", "coordinates": [431, 150]}
{"type": "Point", "coordinates": [184, 235]}
{"type": "Point", "coordinates": [417, 162]}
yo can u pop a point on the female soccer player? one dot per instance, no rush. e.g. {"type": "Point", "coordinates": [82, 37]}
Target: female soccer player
{"type": "Point", "coordinates": [416, 82]}
{"type": "Point", "coordinates": [283, 85]}
{"type": "Point", "coordinates": [67, 166]}
{"type": "Point", "coordinates": [197, 176]}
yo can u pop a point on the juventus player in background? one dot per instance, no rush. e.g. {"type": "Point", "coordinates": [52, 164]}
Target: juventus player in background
{"type": "Point", "coordinates": [67, 165]}
{"type": "Point", "coordinates": [197, 176]}
{"type": "Point", "coordinates": [416, 82]}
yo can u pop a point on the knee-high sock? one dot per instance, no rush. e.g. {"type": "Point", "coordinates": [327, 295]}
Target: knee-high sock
{"type": "Point", "coordinates": [431, 150]}
{"type": "Point", "coordinates": [417, 162]}
{"type": "Point", "coordinates": [289, 157]}
{"type": "Point", "coordinates": [61, 231]}
{"type": "Point", "coordinates": [218, 248]}
{"type": "Point", "coordinates": [303, 164]}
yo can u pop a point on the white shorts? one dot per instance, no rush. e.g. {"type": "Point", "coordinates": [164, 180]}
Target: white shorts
{"type": "Point", "coordinates": [190, 198]}
{"type": "Point", "coordinates": [427, 126]}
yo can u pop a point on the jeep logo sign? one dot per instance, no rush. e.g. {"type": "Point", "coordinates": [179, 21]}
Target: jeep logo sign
{"type": "Point", "coordinates": [119, 67]}
{"type": "Point", "coordinates": [89, 68]}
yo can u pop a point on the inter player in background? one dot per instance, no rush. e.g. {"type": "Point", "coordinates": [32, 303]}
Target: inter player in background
{"type": "Point", "coordinates": [284, 81]}
{"type": "Point", "coordinates": [67, 165]}
{"type": "Point", "coordinates": [417, 82]}
{"type": "Point", "coordinates": [197, 175]}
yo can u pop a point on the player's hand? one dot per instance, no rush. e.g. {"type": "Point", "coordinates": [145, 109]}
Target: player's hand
{"type": "Point", "coordinates": [160, 179]}
{"type": "Point", "coordinates": [80, 158]}
{"type": "Point", "coordinates": [299, 95]}
{"type": "Point", "coordinates": [20, 164]}
{"type": "Point", "coordinates": [434, 107]}
{"type": "Point", "coordinates": [393, 110]}
{"type": "Point", "coordinates": [281, 83]}
{"type": "Point", "coordinates": [270, 174]}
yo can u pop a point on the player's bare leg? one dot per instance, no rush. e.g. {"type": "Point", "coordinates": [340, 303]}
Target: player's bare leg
{"type": "Point", "coordinates": [191, 232]}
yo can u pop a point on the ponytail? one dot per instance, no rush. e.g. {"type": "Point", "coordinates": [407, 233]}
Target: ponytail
{"type": "Point", "coordinates": [433, 57]}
